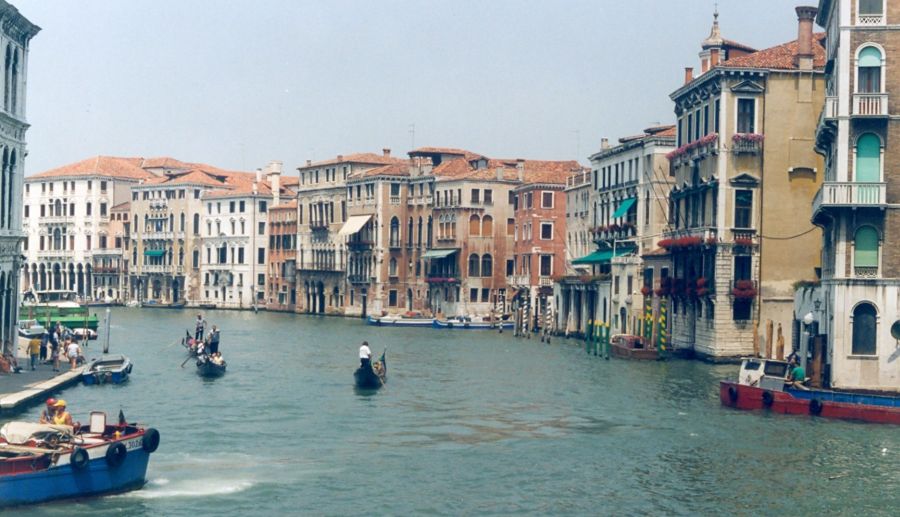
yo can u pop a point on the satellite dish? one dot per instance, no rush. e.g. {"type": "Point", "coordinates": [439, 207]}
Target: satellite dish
{"type": "Point", "coordinates": [895, 330]}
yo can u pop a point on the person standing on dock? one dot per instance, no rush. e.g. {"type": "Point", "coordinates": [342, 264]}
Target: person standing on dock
{"type": "Point", "coordinates": [365, 355]}
{"type": "Point", "coordinates": [34, 350]}
{"type": "Point", "coordinates": [200, 328]}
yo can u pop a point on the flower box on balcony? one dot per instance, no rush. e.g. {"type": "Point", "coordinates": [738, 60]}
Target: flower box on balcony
{"type": "Point", "coordinates": [744, 290]}
{"type": "Point", "coordinates": [645, 290]}
{"type": "Point", "coordinates": [743, 241]}
{"type": "Point", "coordinates": [746, 143]}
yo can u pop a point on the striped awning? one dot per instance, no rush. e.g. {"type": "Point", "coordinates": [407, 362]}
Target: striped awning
{"type": "Point", "coordinates": [439, 253]}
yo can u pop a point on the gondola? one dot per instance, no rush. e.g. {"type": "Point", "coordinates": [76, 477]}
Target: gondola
{"type": "Point", "coordinates": [207, 368]}
{"type": "Point", "coordinates": [372, 377]}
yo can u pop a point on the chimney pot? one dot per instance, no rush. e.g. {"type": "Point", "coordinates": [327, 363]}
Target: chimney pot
{"type": "Point", "coordinates": [308, 163]}
{"type": "Point", "coordinates": [688, 74]}
{"type": "Point", "coordinates": [805, 16]}
{"type": "Point", "coordinates": [340, 157]}
{"type": "Point", "coordinates": [604, 143]}
{"type": "Point", "coordinates": [386, 152]}
{"type": "Point", "coordinates": [499, 173]}
{"type": "Point", "coordinates": [520, 169]}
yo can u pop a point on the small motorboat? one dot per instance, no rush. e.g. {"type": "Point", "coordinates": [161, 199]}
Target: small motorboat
{"type": "Point", "coordinates": [133, 303]}
{"type": "Point", "coordinates": [468, 323]}
{"type": "Point", "coordinates": [761, 385]}
{"type": "Point", "coordinates": [84, 333]}
{"type": "Point", "coordinates": [372, 377]}
{"type": "Point", "coordinates": [108, 369]}
{"type": "Point", "coordinates": [208, 366]}
{"type": "Point", "coordinates": [41, 462]}
{"type": "Point", "coordinates": [29, 329]}
{"type": "Point", "coordinates": [627, 346]}
{"type": "Point", "coordinates": [400, 321]}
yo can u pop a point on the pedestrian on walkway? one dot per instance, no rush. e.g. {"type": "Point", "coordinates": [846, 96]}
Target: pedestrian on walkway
{"type": "Point", "coordinates": [45, 341]}
{"type": "Point", "coordinates": [34, 350]}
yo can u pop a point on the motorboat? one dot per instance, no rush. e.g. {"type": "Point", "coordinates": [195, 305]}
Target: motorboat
{"type": "Point", "coordinates": [84, 333]}
{"type": "Point", "coordinates": [627, 346]}
{"type": "Point", "coordinates": [30, 329]}
{"type": "Point", "coordinates": [406, 320]}
{"type": "Point", "coordinates": [373, 376]}
{"type": "Point", "coordinates": [108, 369]}
{"type": "Point", "coordinates": [472, 323]}
{"type": "Point", "coordinates": [42, 462]}
{"type": "Point", "coordinates": [761, 386]}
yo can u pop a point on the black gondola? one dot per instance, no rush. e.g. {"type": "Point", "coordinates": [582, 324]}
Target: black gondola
{"type": "Point", "coordinates": [372, 377]}
{"type": "Point", "coordinates": [207, 368]}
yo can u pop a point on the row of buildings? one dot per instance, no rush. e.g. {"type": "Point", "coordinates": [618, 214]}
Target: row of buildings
{"type": "Point", "coordinates": [762, 214]}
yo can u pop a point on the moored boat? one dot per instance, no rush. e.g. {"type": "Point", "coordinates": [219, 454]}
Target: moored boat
{"type": "Point", "coordinates": [470, 324]}
{"type": "Point", "coordinates": [627, 346]}
{"type": "Point", "coordinates": [108, 369]}
{"type": "Point", "coordinates": [400, 321]}
{"type": "Point", "coordinates": [41, 462]}
{"type": "Point", "coordinates": [210, 367]}
{"type": "Point", "coordinates": [761, 385]}
{"type": "Point", "coordinates": [372, 377]}
{"type": "Point", "coordinates": [57, 306]}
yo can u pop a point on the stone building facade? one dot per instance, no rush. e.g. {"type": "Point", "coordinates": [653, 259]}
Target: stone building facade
{"type": "Point", "coordinates": [854, 312]}
{"type": "Point", "coordinates": [67, 217]}
{"type": "Point", "coordinates": [15, 39]}
{"type": "Point", "coordinates": [744, 171]}
{"type": "Point", "coordinates": [281, 263]}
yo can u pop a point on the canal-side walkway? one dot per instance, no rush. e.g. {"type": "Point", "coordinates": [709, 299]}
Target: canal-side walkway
{"type": "Point", "coordinates": [18, 390]}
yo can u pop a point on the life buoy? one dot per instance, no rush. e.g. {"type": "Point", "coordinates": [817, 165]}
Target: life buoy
{"type": "Point", "coordinates": [79, 458]}
{"type": "Point", "coordinates": [150, 441]}
{"type": "Point", "coordinates": [815, 407]}
{"type": "Point", "coordinates": [768, 398]}
{"type": "Point", "coordinates": [115, 454]}
{"type": "Point", "coordinates": [733, 393]}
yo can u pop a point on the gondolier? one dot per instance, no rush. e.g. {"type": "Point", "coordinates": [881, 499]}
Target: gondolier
{"type": "Point", "coordinates": [214, 340]}
{"type": "Point", "coordinates": [200, 328]}
{"type": "Point", "coordinates": [365, 355]}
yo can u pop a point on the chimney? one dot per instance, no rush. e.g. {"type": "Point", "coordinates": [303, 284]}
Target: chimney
{"type": "Point", "coordinates": [258, 174]}
{"type": "Point", "coordinates": [340, 158]}
{"type": "Point", "coordinates": [273, 174]}
{"type": "Point", "coordinates": [604, 144]}
{"type": "Point", "coordinates": [308, 163]}
{"type": "Point", "coordinates": [520, 168]}
{"type": "Point", "coordinates": [713, 58]}
{"type": "Point", "coordinates": [386, 151]}
{"type": "Point", "coordinates": [805, 16]}
{"type": "Point", "coordinates": [499, 173]}
{"type": "Point", "coordinates": [688, 74]}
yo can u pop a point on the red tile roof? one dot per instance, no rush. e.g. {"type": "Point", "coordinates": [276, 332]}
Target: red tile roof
{"type": "Point", "coordinates": [285, 206]}
{"type": "Point", "coordinates": [535, 171]}
{"type": "Point", "coordinates": [367, 158]}
{"type": "Point", "coordinates": [780, 57]}
{"type": "Point", "coordinates": [468, 155]}
{"type": "Point", "coordinates": [108, 166]}
{"type": "Point", "coordinates": [397, 169]}
{"type": "Point", "coordinates": [121, 207]}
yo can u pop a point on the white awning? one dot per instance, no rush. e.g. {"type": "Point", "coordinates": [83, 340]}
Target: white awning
{"type": "Point", "coordinates": [354, 224]}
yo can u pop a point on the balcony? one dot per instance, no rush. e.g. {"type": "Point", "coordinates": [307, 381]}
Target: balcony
{"type": "Point", "coordinates": [359, 279]}
{"type": "Point", "coordinates": [395, 200]}
{"type": "Point", "coordinates": [696, 150]}
{"type": "Point", "coordinates": [746, 143]}
{"type": "Point", "coordinates": [870, 105]}
{"type": "Point", "coordinates": [56, 219]}
{"type": "Point", "coordinates": [865, 271]}
{"type": "Point", "coordinates": [868, 20]}
{"type": "Point", "coordinates": [158, 236]}
{"type": "Point", "coordinates": [54, 253]}
{"type": "Point", "coordinates": [518, 280]}
{"type": "Point", "coordinates": [827, 125]}
{"type": "Point", "coordinates": [360, 244]}
{"type": "Point", "coordinates": [545, 281]}
{"type": "Point", "coordinates": [442, 280]}
{"type": "Point", "coordinates": [843, 194]}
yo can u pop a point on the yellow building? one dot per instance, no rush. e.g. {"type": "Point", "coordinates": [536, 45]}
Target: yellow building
{"type": "Point", "coordinates": [745, 172]}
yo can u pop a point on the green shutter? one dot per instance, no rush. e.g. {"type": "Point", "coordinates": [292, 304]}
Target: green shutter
{"type": "Point", "coordinates": [868, 158]}
{"type": "Point", "coordinates": [870, 56]}
{"type": "Point", "coordinates": [865, 253]}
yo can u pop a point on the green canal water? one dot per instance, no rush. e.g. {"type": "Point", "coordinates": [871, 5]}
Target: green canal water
{"type": "Point", "coordinates": [470, 423]}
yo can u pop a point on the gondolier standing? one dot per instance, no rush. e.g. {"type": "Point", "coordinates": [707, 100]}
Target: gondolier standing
{"type": "Point", "coordinates": [214, 340]}
{"type": "Point", "coordinates": [365, 355]}
{"type": "Point", "coordinates": [200, 329]}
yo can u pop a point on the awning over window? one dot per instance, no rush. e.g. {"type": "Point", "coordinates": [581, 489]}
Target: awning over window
{"type": "Point", "coordinates": [599, 257]}
{"type": "Point", "coordinates": [354, 224]}
{"type": "Point", "coordinates": [623, 208]}
{"type": "Point", "coordinates": [441, 253]}
{"type": "Point", "coordinates": [154, 253]}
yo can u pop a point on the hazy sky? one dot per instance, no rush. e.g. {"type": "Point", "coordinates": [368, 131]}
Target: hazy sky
{"type": "Point", "coordinates": [238, 83]}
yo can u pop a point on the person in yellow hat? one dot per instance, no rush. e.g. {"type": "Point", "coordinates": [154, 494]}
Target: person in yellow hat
{"type": "Point", "coordinates": [62, 417]}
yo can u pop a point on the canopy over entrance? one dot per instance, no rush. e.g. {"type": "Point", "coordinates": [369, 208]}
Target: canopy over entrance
{"type": "Point", "coordinates": [354, 224]}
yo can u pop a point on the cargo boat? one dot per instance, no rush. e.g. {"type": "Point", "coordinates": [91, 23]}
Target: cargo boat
{"type": "Point", "coordinates": [761, 386]}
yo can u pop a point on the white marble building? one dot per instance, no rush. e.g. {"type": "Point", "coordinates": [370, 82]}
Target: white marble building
{"type": "Point", "coordinates": [15, 34]}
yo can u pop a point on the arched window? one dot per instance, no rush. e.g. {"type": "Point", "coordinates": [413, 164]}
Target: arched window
{"type": "Point", "coordinates": [474, 225]}
{"type": "Point", "coordinates": [182, 222]}
{"type": "Point", "coordinates": [864, 327]}
{"type": "Point", "coordinates": [392, 265]}
{"type": "Point", "coordinates": [430, 230]}
{"type": "Point", "coordinates": [395, 232]}
{"type": "Point", "coordinates": [487, 226]}
{"type": "Point", "coordinates": [865, 251]}
{"type": "Point", "coordinates": [409, 233]}
{"type": "Point", "coordinates": [868, 70]}
{"type": "Point", "coordinates": [868, 158]}
{"type": "Point", "coordinates": [419, 233]}
{"type": "Point", "coordinates": [473, 265]}
{"type": "Point", "coordinates": [487, 265]}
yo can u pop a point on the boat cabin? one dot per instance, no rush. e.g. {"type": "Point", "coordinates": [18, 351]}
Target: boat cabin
{"type": "Point", "coordinates": [768, 374]}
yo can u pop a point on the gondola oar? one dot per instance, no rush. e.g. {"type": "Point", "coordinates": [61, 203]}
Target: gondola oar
{"type": "Point", "coordinates": [186, 360]}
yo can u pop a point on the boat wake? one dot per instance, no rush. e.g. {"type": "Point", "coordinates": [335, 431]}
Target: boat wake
{"type": "Point", "coordinates": [163, 488]}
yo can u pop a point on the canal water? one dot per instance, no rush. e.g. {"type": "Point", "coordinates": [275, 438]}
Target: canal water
{"type": "Point", "coordinates": [469, 423]}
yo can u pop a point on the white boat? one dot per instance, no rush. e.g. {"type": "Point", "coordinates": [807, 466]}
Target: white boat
{"type": "Point", "coordinates": [29, 329]}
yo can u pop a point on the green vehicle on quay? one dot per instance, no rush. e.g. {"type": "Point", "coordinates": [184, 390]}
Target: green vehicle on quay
{"type": "Point", "coordinates": [49, 307]}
